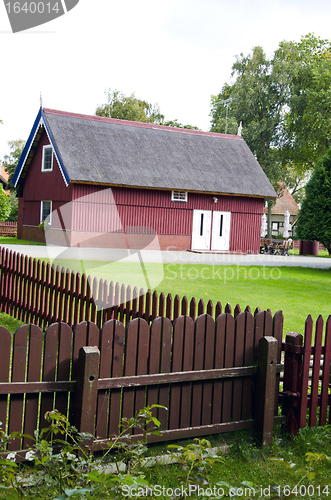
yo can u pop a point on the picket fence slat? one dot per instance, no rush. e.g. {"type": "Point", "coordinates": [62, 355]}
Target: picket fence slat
{"type": "Point", "coordinates": [165, 367]}
{"type": "Point", "coordinates": [326, 375]}
{"type": "Point", "coordinates": [239, 361]}
{"type": "Point", "coordinates": [316, 370]}
{"type": "Point", "coordinates": [176, 366]}
{"type": "Point", "coordinates": [131, 344]}
{"type": "Point", "coordinates": [218, 364]}
{"type": "Point", "coordinates": [208, 364]}
{"type": "Point", "coordinates": [5, 350]}
{"type": "Point", "coordinates": [116, 371]}
{"type": "Point", "coordinates": [16, 405]}
{"type": "Point", "coordinates": [249, 360]}
{"type": "Point", "coordinates": [33, 375]}
{"type": "Point", "coordinates": [106, 350]}
{"type": "Point", "coordinates": [305, 372]}
{"type": "Point", "coordinates": [228, 363]}
{"type": "Point", "coordinates": [154, 360]}
{"type": "Point", "coordinates": [141, 364]}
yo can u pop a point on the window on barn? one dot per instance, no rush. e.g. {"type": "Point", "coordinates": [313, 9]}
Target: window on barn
{"type": "Point", "coordinates": [46, 211]}
{"type": "Point", "coordinates": [47, 163]}
{"type": "Point", "coordinates": [179, 196]}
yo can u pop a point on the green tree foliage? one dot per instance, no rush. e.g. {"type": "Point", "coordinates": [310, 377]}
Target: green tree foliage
{"type": "Point", "coordinates": [13, 204]}
{"type": "Point", "coordinates": [4, 205]}
{"type": "Point", "coordinates": [10, 161]}
{"type": "Point", "coordinates": [130, 108]}
{"type": "Point", "coordinates": [307, 121]}
{"type": "Point", "coordinates": [284, 104]}
{"type": "Point", "coordinates": [258, 98]}
{"type": "Point", "coordinates": [314, 219]}
{"type": "Point", "coordinates": [177, 124]}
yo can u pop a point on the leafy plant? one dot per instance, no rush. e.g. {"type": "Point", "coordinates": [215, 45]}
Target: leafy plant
{"type": "Point", "coordinates": [63, 460]}
{"type": "Point", "coordinates": [10, 488]}
{"type": "Point", "coordinates": [304, 475]}
{"type": "Point", "coordinates": [196, 459]}
{"type": "Point", "coordinates": [43, 225]}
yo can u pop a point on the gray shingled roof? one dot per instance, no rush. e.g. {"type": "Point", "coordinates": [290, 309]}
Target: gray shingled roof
{"type": "Point", "coordinates": [97, 150]}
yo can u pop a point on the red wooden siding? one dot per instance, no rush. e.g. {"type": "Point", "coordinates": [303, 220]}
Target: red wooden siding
{"type": "Point", "coordinates": [245, 232]}
{"type": "Point", "coordinates": [145, 211]}
{"type": "Point", "coordinates": [159, 198]}
{"type": "Point", "coordinates": [40, 186]}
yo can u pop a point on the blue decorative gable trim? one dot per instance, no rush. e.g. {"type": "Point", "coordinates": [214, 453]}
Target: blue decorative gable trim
{"type": "Point", "coordinates": [40, 120]}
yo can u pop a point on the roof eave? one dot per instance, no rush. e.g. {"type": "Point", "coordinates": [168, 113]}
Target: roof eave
{"type": "Point", "coordinates": [220, 193]}
{"type": "Point", "coordinates": [39, 121]}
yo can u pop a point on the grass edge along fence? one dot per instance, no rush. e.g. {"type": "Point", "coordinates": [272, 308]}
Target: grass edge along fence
{"type": "Point", "coordinates": [35, 292]}
{"type": "Point", "coordinates": [212, 376]}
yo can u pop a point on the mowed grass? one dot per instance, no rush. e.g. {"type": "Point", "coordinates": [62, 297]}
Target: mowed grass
{"type": "Point", "coordinates": [12, 240]}
{"type": "Point", "coordinates": [297, 291]}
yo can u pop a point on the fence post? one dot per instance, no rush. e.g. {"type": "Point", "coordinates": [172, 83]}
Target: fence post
{"type": "Point", "coordinates": [292, 378]}
{"type": "Point", "coordinates": [87, 389]}
{"type": "Point", "coordinates": [265, 389]}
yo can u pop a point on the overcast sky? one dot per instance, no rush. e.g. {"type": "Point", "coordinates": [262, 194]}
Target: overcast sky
{"type": "Point", "coordinates": [176, 53]}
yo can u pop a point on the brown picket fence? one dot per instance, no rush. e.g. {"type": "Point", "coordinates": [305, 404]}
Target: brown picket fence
{"type": "Point", "coordinates": [205, 372]}
{"type": "Point", "coordinates": [213, 372]}
{"type": "Point", "coordinates": [8, 228]}
{"type": "Point", "coordinates": [212, 376]}
{"type": "Point", "coordinates": [35, 292]}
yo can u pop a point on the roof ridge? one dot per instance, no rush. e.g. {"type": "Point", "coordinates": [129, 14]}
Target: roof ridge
{"type": "Point", "coordinates": [129, 123]}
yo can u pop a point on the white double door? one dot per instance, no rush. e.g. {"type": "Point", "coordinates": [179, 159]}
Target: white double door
{"type": "Point", "coordinates": [211, 230]}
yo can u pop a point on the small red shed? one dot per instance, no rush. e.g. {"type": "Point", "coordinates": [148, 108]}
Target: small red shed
{"type": "Point", "coordinates": [102, 182]}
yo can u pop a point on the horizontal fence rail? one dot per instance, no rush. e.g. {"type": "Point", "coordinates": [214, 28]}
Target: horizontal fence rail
{"type": "Point", "coordinates": [35, 292]}
{"type": "Point", "coordinates": [202, 371]}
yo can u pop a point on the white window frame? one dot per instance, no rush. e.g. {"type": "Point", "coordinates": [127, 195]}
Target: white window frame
{"type": "Point", "coordinates": [179, 196]}
{"type": "Point", "coordinates": [42, 210]}
{"type": "Point", "coordinates": [43, 169]}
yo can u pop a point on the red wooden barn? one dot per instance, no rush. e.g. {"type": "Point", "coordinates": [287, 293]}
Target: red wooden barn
{"type": "Point", "coordinates": [103, 182]}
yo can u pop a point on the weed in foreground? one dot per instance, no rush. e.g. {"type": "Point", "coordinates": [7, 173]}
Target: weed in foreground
{"type": "Point", "coordinates": [64, 467]}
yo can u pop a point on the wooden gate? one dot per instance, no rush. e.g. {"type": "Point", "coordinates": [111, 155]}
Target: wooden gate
{"type": "Point", "coordinates": [305, 395]}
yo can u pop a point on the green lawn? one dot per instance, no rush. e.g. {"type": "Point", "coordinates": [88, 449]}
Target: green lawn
{"type": "Point", "coordinates": [10, 323]}
{"type": "Point", "coordinates": [12, 240]}
{"type": "Point", "coordinates": [321, 253]}
{"type": "Point", "coordinates": [247, 465]}
{"type": "Point", "coordinates": [297, 291]}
